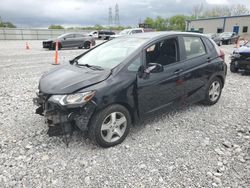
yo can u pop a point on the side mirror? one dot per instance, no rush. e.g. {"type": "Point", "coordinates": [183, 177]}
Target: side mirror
{"type": "Point", "coordinates": [151, 68]}
{"type": "Point", "coordinates": [154, 68]}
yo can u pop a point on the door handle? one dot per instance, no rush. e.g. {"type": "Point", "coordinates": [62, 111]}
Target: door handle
{"type": "Point", "coordinates": [178, 71]}
{"type": "Point", "coordinates": [208, 59]}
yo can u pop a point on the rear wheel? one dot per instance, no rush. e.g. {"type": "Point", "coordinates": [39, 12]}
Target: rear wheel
{"type": "Point", "coordinates": [110, 126]}
{"type": "Point", "coordinates": [87, 45]}
{"type": "Point", "coordinates": [213, 91]}
{"type": "Point", "coordinates": [233, 68]}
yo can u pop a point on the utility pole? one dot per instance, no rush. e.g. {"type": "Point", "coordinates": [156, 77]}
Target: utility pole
{"type": "Point", "coordinates": [117, 17]}
{"type": "Point", "coordinates": [110, 19]}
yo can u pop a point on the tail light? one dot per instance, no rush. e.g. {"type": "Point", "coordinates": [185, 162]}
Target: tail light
{"type": "Point", "coordinates": [222, 55]}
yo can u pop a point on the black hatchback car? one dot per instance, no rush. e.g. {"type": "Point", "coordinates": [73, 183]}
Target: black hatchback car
{"type": "Point", "coordinates": [110, 87]}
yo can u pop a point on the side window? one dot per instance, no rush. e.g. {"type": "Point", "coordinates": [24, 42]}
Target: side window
{"type": "Point", "coordinates": [69, 36]}
{"type": "Point", "coordinates": [78, 36]}
{"type": "Point", "coordinates": [138, 31]}
{"type": "Point", "coordinates": [163, 52]}
{"type": "Point", "coordinates": [209, 44]}
{"type": "Point", "coordinates": [136, 63]}
{"type": "Point", "coordinates": [194, 47]}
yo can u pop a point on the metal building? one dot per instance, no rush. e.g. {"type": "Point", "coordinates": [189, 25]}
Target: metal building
{"type": "Point", "coordinates": [237, 24]}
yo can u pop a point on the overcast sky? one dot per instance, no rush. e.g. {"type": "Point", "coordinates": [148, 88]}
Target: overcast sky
{"type": "Point", "coordinates": [41, 13]}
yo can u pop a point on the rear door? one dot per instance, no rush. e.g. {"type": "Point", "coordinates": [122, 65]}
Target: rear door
{"type": "Point", "coordinates": [79, 40]}
{"type": "Point", "coordinates": [197, 67]}
{"type": "Point", "coordinates": [68, 40]}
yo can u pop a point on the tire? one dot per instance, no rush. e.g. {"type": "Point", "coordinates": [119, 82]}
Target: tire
{"type": "Point", "coordinates": [212, 96]}
{"type": "Point", "coordinates": [87, 45]}
{"type": "Point", "coordinates": [233, 68]}
{"type": "Point", "coordinates": [105, 133]}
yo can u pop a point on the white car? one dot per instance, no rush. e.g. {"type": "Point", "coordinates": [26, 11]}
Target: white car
{"type": "Point", "coordinates": [128, 32]}
{"type": "Point", "coordinates": [94, 34]}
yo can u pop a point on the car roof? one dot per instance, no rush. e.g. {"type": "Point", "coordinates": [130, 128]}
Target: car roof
{"type": "Point", "coordinates": [160, 34]}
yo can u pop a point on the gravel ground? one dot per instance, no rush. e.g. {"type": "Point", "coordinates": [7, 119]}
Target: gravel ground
{"type": "Point", "coordinates": [194, 147]}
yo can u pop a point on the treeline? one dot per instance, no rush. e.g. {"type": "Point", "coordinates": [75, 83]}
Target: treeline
{"type": "Point", "coordinates": [162, 24]}
{"type": "Point", "coordinates": [217, 11]}
{"type": "Point", "coordinates": [6, 24]}
{"type": "Point", "coordinates": [177, 22]}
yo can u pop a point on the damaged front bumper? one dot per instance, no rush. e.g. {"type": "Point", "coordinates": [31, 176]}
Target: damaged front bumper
{"type": "Point", "coordinates": [241, 61]}
{"type": "Point", "coordinates": [62, 119]}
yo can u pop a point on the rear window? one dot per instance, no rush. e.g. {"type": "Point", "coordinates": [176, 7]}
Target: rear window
{"type": "Point", "coordinates": [194, 47]}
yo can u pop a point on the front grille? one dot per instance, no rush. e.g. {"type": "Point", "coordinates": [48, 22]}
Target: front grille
{"type": "Point", "coordinates": [47, 44]}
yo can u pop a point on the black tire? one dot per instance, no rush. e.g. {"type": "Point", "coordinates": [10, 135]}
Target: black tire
{"type": "Point", "coordinates": [233, 68]}
{"type": "Point", "coordinates": [208, 100]}
{"type": "Point", "coordinates": [52, 47]}
{"type": "Point", "coordinates": [97, 135]}
{"type": "Point", "coordinates": [87, 45]}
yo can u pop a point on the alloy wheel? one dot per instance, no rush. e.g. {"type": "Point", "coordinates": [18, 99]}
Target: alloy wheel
{"type": "Point", "coordinates": [214, 91]}
{"type": "Point", "coordinates": [113, 127]}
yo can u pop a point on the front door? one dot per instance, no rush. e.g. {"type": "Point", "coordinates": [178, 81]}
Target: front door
{"type": "Point", "coordinates": [68, 40]}
{"type": "Point", "coordinates": [162, 89]}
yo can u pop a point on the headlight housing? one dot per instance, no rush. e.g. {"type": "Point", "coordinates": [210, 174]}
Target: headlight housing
{"type": "Point", "coordinates": [76, 99]}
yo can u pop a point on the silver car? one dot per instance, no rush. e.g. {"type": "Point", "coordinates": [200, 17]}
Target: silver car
{"type": "Point", "coordinates": [69, 40]}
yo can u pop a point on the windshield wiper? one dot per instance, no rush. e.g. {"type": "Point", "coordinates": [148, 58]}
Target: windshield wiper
{"type": "Point", "coordinates": [93, 67]}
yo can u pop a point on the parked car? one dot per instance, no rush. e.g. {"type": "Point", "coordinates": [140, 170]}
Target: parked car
{"type": "Point", "coordinates": [94, 34]}
{"type": "Point", "coordinates": [240, 59]}
{"type": "Point", "coordinates": [215, 37]}
{"type": "Point", "coordinates": [229, 37]}
{"type": "Point", "coordinates": [70, 40]}
{"type": "Point", "coordinates": [105, 34]}
{"type": "Point", "coordinates": [112, 86]}
{"type": "Point", "coordinates": [128, 32]}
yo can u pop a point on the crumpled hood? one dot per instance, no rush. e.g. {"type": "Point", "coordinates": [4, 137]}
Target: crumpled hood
{"type": "Point", "coordinates": [243, 50]}
{"type": "Point", "coordinates": [69, 78]}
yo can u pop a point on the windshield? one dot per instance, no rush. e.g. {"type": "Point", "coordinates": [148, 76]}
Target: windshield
{"type": "Point", "coordinates": [124, 32]}
{"type": "Point", "coordinates": [226, 34]}
{"type": "Point", "coordinates": [112, 53]}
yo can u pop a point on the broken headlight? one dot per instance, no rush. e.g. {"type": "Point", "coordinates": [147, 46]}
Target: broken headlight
{"type": "Point", "coordinates": [72, 99]}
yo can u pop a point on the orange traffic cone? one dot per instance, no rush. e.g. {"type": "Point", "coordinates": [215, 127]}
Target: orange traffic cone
{"type": "Point", "coordinates": [56, 55]}
{"type": "Point", "coordinates": [27, 46]}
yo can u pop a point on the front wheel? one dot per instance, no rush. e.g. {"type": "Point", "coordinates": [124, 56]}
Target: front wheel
{"type": "Point", "coordinates": [87, 45]}
{"type": "Point", "coordinates": [213, 92]}
{"type": "Point", "coordinates": [110, 126]}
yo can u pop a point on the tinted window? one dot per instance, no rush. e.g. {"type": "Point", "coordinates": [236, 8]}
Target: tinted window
{"type": "Point", "coordinates": [164, 52]}
{"type": "Point", "coordinates": [69, 36]}
{"type": "Point", "coordinates": [136, 31]}
{"type": "Point", "coordinates": [78, 35]}
{"type": "Point", "coordinates": [194, 47]}
{"type": "Point", "coordinates": [245, 29]}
